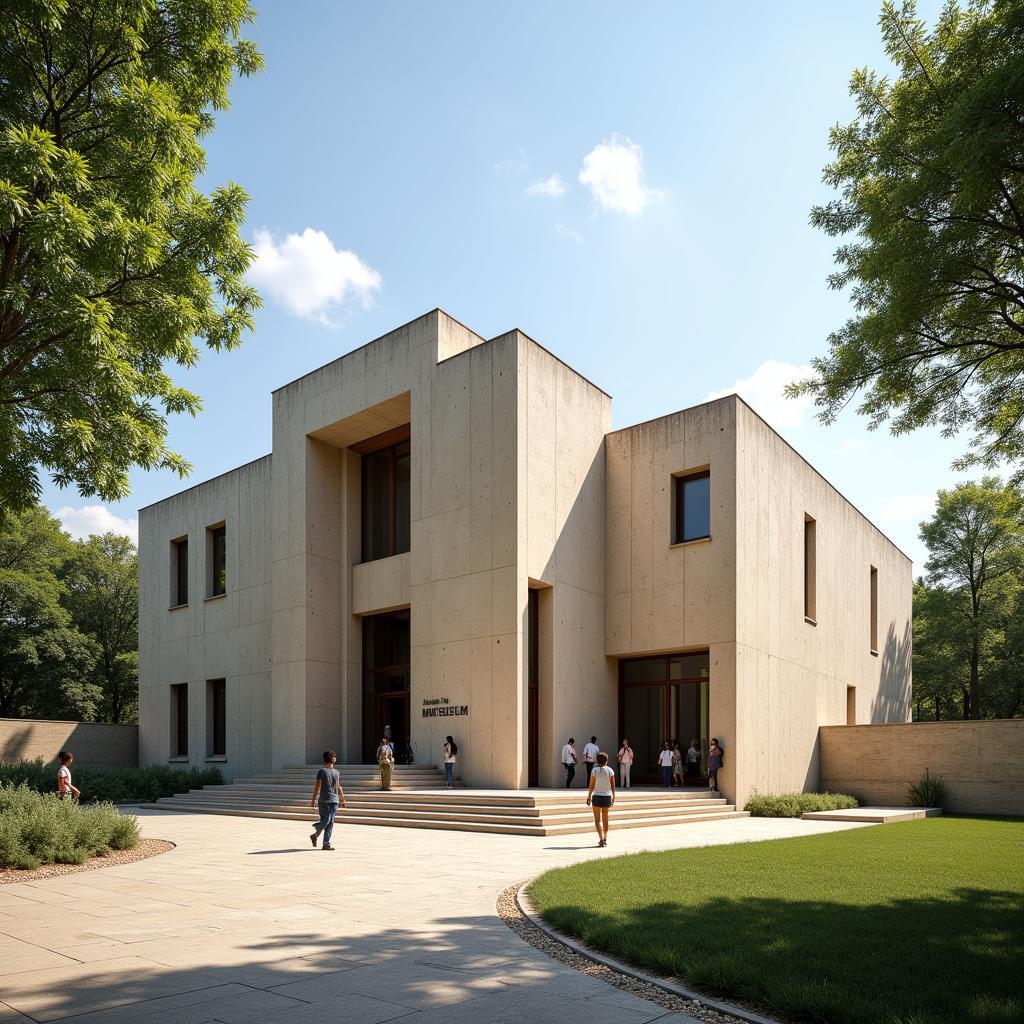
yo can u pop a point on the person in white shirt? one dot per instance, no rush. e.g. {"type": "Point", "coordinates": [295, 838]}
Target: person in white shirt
{"type": "Point", "coordinates": [693, 761]}
{"type": "Point", "coordinates": [569, 759]}
{"type": "Point", "coordinates": [625, 762]}
{"type": "Point", "coordinates": [64, 787]}
{"type": "Point", "coordinates": [590, 752]}
{"type": "Point", "coordinates": [601, 795]}
{"type": "Point", "coordinates": [665, 763]}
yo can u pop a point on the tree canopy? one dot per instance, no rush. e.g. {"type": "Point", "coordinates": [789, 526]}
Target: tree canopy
{"type": "Point", "coordinates": [968, 610]}
{"type": "Point", "coordinates": [112, 262]}
{"type": "Point", "coordinates": [931, 217]}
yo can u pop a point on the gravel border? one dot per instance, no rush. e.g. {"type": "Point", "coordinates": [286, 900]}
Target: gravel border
{"type": "Point", "coordinates": [146, 848]}
{"type": "Point", "coordinates": [515, 910]}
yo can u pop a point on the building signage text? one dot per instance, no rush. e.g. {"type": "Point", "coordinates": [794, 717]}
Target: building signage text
{"type": "Point", "coordinates": [440, 707]}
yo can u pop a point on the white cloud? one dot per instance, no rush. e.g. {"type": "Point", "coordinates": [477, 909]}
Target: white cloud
{"type": "Point", "coordinates": [552, 187]}
{"type": "Point", "coordinates": [567, 233]}
{"type": "Point", "coordinates": [614, 172]}
{"type": "Point", "coordinates": [98, 519]}
{"type": "Point", "coordinates": [903, 508]}
{"type": "Point", "coordinates": [309, 277]}
{"type": "Point", "coordinates": [764, 389]}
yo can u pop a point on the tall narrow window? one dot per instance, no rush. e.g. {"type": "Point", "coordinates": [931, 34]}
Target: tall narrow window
{"type": "Point", "coordinates": [874, 610]}
{"type": "Point", "coordinates": [851, 705]}
{"type": "Point", "coordinates": [179, 720]}
{"type": "Point", "coordinates": [216, 718]}
{"type": "Point", "coordinates": [179, 572]}
{"type": "Point", "coordinates": [810, 571]}
{"type": "Point", "coordinates": [218, 561]}
{"type": "Point", "coordinates": [691, 499]}
{"type": "Point", "coordinates": [386, 494]}
{"type": "Point", "coordinates": [533, 687]}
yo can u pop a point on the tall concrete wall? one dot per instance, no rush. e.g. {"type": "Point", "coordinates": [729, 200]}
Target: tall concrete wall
{"type": "Point", "coordinates": [563, 420]}
{"type": "Point", "coordinates": [791, 675]}
{"type": "Point", "coordinates": [662, 596]}
{"type": "Point", "coordinates": [226, 637]}
{"type": "Point", "coordinates": [981, 763]}
{"type": "Point", "coordinates": [96, 744]}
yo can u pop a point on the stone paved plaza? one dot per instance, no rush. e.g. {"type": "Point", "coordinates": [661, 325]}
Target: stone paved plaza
{"type": "Point", "coordinates": [244, 921]}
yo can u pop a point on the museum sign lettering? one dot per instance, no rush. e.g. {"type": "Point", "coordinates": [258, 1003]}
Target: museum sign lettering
{"type": "Point", "coordinates": [441, 707]}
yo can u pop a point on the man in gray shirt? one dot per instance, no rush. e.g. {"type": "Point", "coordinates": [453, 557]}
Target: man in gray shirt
{"type": "Point", "coordinates": [327, 794]}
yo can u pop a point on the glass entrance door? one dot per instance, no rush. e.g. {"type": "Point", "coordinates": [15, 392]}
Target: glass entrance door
{"type": "Point", "coordinates": [664, 698]}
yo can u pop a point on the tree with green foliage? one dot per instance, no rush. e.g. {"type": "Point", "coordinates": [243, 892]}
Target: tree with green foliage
{"type": "Point", "coordinates": [931, 216]}
{"type": "Point", "coordinates": [975, 570]}
{"type": "Point", "coordinates": [112, 262]}
{"type": "Point", "coordinates": [940, 684]}
{"type": "Point", "coordinates": [45, 661]}
{"type": "Point", "coordinates": [102, 594]}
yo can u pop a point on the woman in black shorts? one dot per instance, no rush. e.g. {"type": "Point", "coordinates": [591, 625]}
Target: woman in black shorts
{"type": "Point", "coordinates": [601, 795]}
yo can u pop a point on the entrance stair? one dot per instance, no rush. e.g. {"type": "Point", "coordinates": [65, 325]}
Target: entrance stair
{"type": "Point", "coordinates": [418, 799]}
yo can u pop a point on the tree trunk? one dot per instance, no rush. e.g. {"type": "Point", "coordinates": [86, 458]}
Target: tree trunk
{"type": "Point", "coordinates": [974, 709]}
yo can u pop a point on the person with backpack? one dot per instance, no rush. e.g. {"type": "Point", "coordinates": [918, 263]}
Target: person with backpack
{"type": "Point", "coordinates": [451, 753]}
{"type": "Point", "coordinates": [327, 795]}
{"type": "Point", "coordinates": [386, 760]}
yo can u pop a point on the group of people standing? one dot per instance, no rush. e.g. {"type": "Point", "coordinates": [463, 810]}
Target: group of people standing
{"type": "Point", "coordinates": [678, 767]}
{"type": "Point", "coordinates": [386, 760]}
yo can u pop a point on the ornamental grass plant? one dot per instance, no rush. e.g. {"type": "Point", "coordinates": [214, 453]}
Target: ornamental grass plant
{"type": "Point", "coordinates": [112, 785]}
{"type": "Point", "coordinates": [792, 805]}
{"type": "Point", "coordinates": [40, 828]}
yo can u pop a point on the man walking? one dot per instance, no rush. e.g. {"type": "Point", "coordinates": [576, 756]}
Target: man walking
{"type": "Point", "coordinates": [327, 794]}
{"type": "Point", "coordinates": [386, 760]}
{"type": "Point", "coordinates": [590, 752]}
{"type": "Point", "coordinates": [569, 759]}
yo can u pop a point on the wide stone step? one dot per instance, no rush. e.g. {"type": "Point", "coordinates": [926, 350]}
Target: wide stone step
{"type": "Point", "coordinates": [506, 828]}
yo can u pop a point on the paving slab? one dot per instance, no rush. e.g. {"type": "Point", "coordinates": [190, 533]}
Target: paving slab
{"type": "Point", "coordinates": [244, 921]}
{"type": "Point", "coordinates": [874, 815]}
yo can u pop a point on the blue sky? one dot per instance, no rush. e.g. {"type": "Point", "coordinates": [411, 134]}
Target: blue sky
{"type": "Point", "coordinates": [629, 184]}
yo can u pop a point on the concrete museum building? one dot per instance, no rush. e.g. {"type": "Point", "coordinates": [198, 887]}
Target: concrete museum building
{"type": "Point", "coordinates": [448, 537]}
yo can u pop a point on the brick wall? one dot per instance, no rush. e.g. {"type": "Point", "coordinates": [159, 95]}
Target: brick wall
{"type": "Point", "coordinates": [981, 763]}
{"type": "Point", "coordinates": [95, 744]}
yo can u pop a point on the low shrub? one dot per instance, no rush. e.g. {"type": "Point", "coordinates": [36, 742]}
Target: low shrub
{"type": "Point", "coordinates": [40, 828]}
{"type": "Point", "coordinates": [111, 785]}
{"type": "Point", "coordinates": [927, 792]}
{"type": "Point", "coordinates": [792, 805]}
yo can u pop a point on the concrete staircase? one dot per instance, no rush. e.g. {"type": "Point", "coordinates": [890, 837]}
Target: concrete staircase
{"type": "Point", "coordinates": [418, 799]}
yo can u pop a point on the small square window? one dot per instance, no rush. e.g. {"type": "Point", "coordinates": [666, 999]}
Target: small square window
{"type": "Point", "coordinates": [691, 499]}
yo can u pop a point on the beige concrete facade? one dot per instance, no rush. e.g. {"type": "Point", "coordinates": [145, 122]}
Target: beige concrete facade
{"type": "Point", "coordinates": [516, 484]}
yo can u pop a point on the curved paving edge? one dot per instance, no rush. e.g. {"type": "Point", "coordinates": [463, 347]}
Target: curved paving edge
{"type": "Point", "coordinates": [146, 850]}
{"type": "Point", "coordinates": [718, 1006]}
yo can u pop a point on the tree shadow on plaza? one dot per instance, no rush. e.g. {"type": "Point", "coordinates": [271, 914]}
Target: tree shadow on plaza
{"type": "Point", "coordinates": [461, 968]}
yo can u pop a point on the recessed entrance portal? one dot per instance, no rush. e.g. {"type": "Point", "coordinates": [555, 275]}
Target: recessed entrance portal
{"type": "Point", "coordinates": [386, 683]}
{"type": "Point", "coordinates": [664, 698]}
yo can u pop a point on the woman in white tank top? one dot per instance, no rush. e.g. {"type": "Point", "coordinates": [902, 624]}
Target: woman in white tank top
{"type": "Point", "coordinates": [601, 796]}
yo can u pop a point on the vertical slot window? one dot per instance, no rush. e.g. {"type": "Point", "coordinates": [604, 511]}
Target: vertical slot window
{"type": "Point", "coordinates": [691, 499]}
{"type": "Point", "coordinates": [851, 705]}
{"type": "Point", "coordinates": [386, 498]}
{"type": "Point", "coordinates": [216, 718]}
{"type": "Point", "coordinates": [218, 560]}
{"type": "Point", "coordinates": [874, 610]}
{"type": "Point", "coordinates": [810, 571]}
{"type": "Point", "coordinates": [179, 572]}
{"type": "Point", "coordinates": [179, 720]}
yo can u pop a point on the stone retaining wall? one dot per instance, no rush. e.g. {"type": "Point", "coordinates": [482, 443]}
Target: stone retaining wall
{"type": "Point", "coordinates": [981, 763]}
{"type": "Point", "coordinates": [96, 744]}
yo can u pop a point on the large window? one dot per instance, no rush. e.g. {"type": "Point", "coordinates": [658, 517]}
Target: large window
{"type": "Point", "coordinates": [179, 720]}
{"type": "Point", "coordinates": [810, 571]}
{"type": "Point", "coordinates": [386, 507]}
{"type": "Point", "coordinates": [179, 572]}
{"type": "Point", "coordinates": [691, 502]}
{"type": "Point", "coordinates": [216, 718]}
{"type": "Point", "coordinates": [218, 561]}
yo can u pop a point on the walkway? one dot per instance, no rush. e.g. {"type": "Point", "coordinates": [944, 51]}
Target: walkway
{"type": "Point", "coordinates": [244, 921]}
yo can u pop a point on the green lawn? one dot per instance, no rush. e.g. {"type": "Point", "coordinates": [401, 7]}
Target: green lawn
{"type": "Point", "coordinates": [916, 923]}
